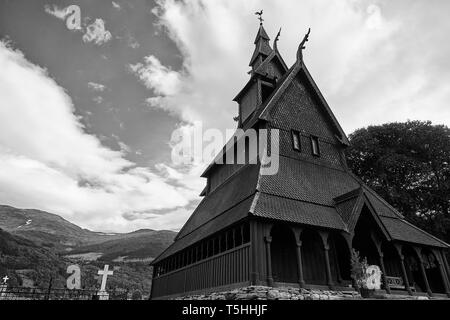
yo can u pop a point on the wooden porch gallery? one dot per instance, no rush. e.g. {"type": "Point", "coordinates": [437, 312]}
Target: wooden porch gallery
{"type": "Point", "coordinates": [296, 227]}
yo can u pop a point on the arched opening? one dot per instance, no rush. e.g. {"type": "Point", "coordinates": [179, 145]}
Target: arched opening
{"type": "Point", "coordinates": [313, 260]}
{"type": "Point", "coordinates": [283, 254]}
{"type": "Point", "coordinates": [362, 241]}
{"type": "Point", "coordinates": [433, 272]}
{"type": "Point", "coordinates": [339, 259]}
{"type": "Point", "coordinates": [391, 260]}
{"type": "Point", "coordinates": [413, 270]}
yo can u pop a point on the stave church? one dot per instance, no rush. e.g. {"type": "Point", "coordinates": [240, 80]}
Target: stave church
{"type": "Point", "coordinates": [296, 227]}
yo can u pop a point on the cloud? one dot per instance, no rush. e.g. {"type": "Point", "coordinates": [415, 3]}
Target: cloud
{"type": "Point", "coordinates": [55, 11]}
{"type": "Point", "coordinates": [375, 62]}
{"type": "Point", "coordinates": [157, 77]}
{"type": "Point", "coordinates": [370, 59]}
{"type": "Point", "coordinates": [61, 169]}
{"type": "Point", "coordinates": [124, 147]}
{"type": "Point", "coordinates": [116, 5]}
{"type": "Point", "coordinates": [96, 33]}
{"type": "Point", "coordinates": [96, 86]}
{"type": "Point", "coordinates": [366, 57]}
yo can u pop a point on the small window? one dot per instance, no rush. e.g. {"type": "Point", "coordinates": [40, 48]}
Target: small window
{"type": "Point", "coordinates": [315, 146]}
{"type": "Point", "coordinates": [296, 140]}
{"type": "Point", "coordinates": [265, 92]}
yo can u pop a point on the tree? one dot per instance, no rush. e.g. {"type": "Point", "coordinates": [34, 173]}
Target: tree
{"type": "Point", "coordinates": [408, 164]}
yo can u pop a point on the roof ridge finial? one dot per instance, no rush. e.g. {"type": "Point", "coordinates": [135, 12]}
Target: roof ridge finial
{"type": "Point", "coordinates": [275, 47]}
{"type": "Point", "coordinates": [259, 14]}
{"type": "Point", "coordinates": [301, 46]}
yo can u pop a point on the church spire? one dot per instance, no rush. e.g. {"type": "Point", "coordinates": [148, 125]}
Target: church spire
{"type": "Point", "coordinates": [262, 46]}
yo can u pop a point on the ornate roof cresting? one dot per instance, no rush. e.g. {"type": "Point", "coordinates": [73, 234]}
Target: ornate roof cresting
{"type": "Point", "coordinates": [301, 46]}
{"type": "Point", "coordinates": [275, 47]}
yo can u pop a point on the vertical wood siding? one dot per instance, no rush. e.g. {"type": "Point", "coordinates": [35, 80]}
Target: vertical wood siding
{"type": "Point", "coordinates": [229, 267]}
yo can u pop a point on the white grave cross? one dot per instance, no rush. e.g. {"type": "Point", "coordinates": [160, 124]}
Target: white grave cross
{"type": "Point", "coordinates": [104, 273]}
{"type": "Point", "coordinates": [5, 279]}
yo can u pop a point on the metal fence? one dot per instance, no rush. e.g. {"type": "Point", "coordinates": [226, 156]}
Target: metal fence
{"type": "Point", "coordinates": [21, 293]}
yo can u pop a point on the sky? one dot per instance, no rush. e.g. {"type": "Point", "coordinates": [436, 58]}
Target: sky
{"type": "Point", "coordinates": [88, 114]}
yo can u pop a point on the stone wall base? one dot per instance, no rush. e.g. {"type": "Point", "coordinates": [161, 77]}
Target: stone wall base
{"type": "Point", "coordinates": [269, 293]}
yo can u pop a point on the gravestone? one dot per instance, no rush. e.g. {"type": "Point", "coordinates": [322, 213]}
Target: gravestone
{"type": "Point", "coordinates": [102, 294]}
{"type": "Point", "coordinates": [4, 286]}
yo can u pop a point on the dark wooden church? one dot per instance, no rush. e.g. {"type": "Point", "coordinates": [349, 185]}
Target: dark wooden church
{"type": "Point", "coordinates": [296, 227]}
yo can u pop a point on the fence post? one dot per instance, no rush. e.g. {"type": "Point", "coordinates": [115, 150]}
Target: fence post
{"type": "Point", "coordinates": [47, 297]}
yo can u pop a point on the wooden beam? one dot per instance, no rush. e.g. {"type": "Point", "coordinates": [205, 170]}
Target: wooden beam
{"type": "Point", "coordinates": [298, 233]}
{"type": "Point", "coordinates": [398, 247]}
{"type": "Point", "coordinates": [422, 269]}
{"type": "Point", "coordinates": [444, 259]}
{"type": "Point", "coordinates": [441, 270]}
{"type": "Point", "coordinates": [378, 244]}
{"type": "Point", "coordinates": [324, 236]}
{"type": "Point", "coordinates": [268, 241]}
{"type": "Point", "coordinates": [254, 274]}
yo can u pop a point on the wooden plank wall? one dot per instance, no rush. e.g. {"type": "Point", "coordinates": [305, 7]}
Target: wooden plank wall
{"type": "Point", "coordinates": [229, 267]}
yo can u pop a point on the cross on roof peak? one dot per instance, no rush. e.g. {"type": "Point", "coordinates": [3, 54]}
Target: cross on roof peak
{"type": "Point", "coordinates": [5, 279]}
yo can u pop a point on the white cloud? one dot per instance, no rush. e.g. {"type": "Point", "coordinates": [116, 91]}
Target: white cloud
{"type": "Point", "coordinates": [55, 11]}
{"type": "Point", "coordinates": [96, 86]}
{"type": "Point", "coordinates": [116, 5]}
{"type": "Point", "coordinates": [154, 75]}
{"type": "Point", "coordinates": [364, 55]}
{"type": "Point", "coordinates": [375, 62]}
{"type": "Point", "coordinates": [96, 32]}
{"type": "Point", "coordinates": [371, 66]}
{"type": "Point", "coordinates": [124, 147]}
{"type": "Point", "coordinates": [48, 162]}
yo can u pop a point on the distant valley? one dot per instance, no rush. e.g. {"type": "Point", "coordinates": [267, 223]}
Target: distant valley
{"type": "Point", "coordinates": [34, 245]}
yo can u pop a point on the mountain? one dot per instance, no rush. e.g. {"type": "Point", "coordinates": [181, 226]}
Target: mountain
{"type": "Point", "coordinates": [43, 228]}
{"type": "Point", "coordinates": [28, 264]}
{"type": "Point", "coordinates": [52, 231]}
{"type": "Point", "coordinates": [36, 246]}
{"type": "Point", "coordinates": [134, 247]}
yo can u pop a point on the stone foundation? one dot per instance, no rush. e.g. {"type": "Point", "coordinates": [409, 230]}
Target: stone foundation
{"type": "Point", "coordinates": [290, 293]}
{"type": "Point", "coordinates": [269, 293]}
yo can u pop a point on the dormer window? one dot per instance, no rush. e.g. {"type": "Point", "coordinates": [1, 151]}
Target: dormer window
{"type": "Point", "coordinates": [296, 140]}
{"type": "Point", "coordinates": [265, 92]}
{"type": "Point", "coordinates": [315, 146]}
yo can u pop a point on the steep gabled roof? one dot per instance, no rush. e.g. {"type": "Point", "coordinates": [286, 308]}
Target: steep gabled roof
{"type": "Point", "coordinates": [303, 191]}
{"type": "Point", "coordinates": [238, 187]}
{"type": "Point", "coordinates": [307, 181]}
{"type": "Point", "coordinates": [261, 70]}
{"type": "Point", "coordinates": [391, 222]}
{"type": "Point", "coordinates": [274, 55]}
{"type": "Point", "coordinates": [402, 230]}
{"type": "Point", "coordinates": [262, 46]}
{"type": "Point", "coordinates": [223, 220]}
{"type": "Point", "coordinates": [299, 67]}
{"type": "Point", "coordinates": [227, 204]}
{"type": "Point", "coordinates": [349, 206]}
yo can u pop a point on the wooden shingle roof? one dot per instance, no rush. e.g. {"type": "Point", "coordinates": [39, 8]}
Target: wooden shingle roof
{"type": "Point", "coordinates": [237, 188]}
{"type": "Point", "coordinates": [302, 192]}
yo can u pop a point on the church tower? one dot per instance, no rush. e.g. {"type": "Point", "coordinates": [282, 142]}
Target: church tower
{"type": "Point", "coordinates": [296, 227]}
